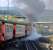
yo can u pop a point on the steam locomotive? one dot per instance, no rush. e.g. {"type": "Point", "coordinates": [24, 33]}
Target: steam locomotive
{"type": "Point", "coordinates": [11, 29]}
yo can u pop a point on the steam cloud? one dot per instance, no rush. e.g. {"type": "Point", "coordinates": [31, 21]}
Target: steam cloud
{"type": "Point", "coordinates": [34, 35]}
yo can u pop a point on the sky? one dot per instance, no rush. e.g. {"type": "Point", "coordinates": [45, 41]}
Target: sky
{"type": "Point", "coordinates": [27, 5]}
{"type": "Point", "coordinates": [4, 3]}
{"type": "Point", "coordinates": [48, 4]}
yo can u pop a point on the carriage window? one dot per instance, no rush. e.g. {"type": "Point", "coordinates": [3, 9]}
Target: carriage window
{"type": "Point", "coordinates": [9, 28]}
{"type": "Point", "coordinates": [20, 30]}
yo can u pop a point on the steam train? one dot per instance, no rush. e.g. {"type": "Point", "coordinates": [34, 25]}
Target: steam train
{"type": "Point", "coordinates": [12, 29]}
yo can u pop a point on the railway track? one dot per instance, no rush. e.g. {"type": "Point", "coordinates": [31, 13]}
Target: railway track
{"type": "Point", "coordinates": [22, 45]}
{"type": "Point", "coordinates": [30, 45]}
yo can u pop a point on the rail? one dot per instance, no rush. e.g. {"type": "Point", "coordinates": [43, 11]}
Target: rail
{"type": "Point", "coordinates": [30, 45]}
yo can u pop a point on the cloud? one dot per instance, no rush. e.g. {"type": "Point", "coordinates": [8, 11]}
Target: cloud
{"type": "Point", "coordinates": [3, 3]}
{"type": "Point", "coordinates": [21, 5]}
{"type": "Point", "coordinates": [6, 3]}
{"type": "Point", "coordinates": [48, 4]}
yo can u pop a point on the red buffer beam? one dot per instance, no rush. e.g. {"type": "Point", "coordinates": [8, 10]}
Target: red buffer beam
{"type": "Point", "coordinates": [3, 32]}
{"type": "Point", "coordinates": [14, 30]}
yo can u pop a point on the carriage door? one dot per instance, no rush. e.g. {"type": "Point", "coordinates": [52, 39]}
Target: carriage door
{"type": "Point", "coordinates": [9, 31]}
